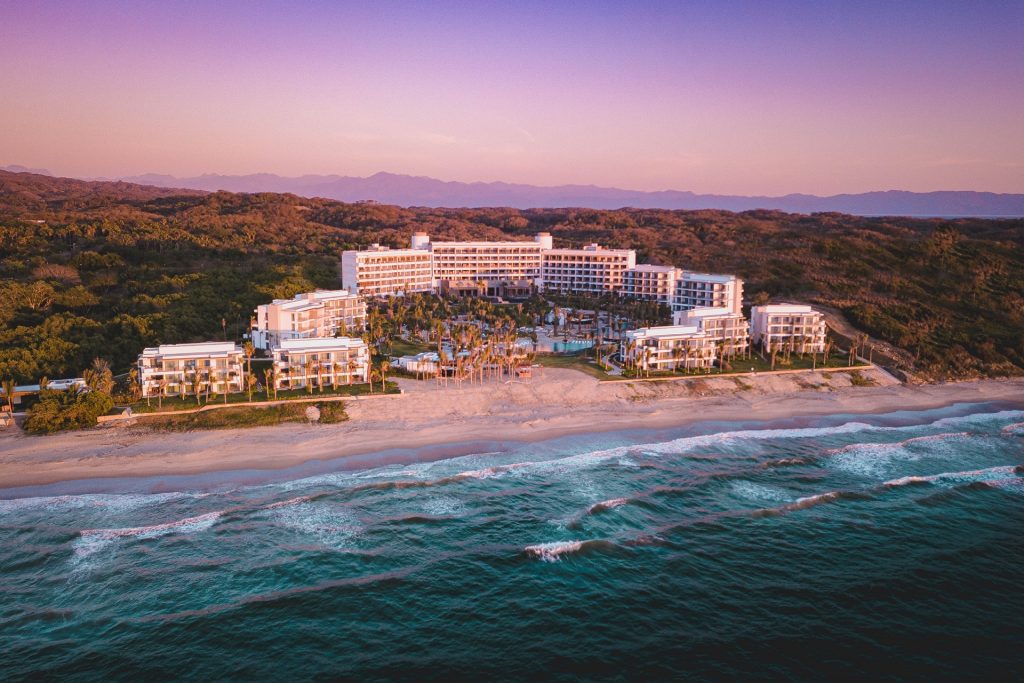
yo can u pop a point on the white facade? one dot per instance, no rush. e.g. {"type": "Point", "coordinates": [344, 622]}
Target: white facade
{"type": "Point", "coordinates": [455, 261]}
{"type": "Point", "coordinates": [313, 314]}
{"type": "Point", "coordinates": [729, 331]}
{"type": "Point", "coordinates": [591, 269]}
{"type": "Point", "coordinates": [650, 283]}
{"type": "Point", "coordinates": [323, 362]}
{"type": "Point", "coordinates": [181, 369]}
{"type": "Point", "coordinates": [426, 266]}
{"type": "Point", "coordinates": [379, 271]}
{"type": "Point", "coordinates": [705, 290]}
{"type": "Point", "coordinates": [792, 327]}
{"type": "Point", "coordinates": [669, 347]}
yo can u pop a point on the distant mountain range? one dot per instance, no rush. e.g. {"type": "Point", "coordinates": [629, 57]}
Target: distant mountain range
{"type": "Point", "coordinates": [405, 190]}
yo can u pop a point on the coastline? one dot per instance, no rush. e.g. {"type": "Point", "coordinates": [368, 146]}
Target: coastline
{"type": "Point", "coordinates": [555, 404]}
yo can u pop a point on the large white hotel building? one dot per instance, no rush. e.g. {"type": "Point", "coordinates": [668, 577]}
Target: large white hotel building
{"type": "Point", "coordinates": [430, 266]}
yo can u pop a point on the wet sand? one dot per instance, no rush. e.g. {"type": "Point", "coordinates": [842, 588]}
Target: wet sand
{"type": "Point", "coordinates": [553, 404]}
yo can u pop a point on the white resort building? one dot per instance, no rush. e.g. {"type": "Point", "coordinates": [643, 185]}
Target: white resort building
{"type": "Point", "coordinates": [705, 290]}
{"type": "Point", "coordinates": [183, 369]}
{"type": "Point", "coordinates": [325, 362]}
{"type": "Point", "coordinates": [650, 283]}
{"type": "Point", "coordinates": [380, 271]}
{"type": "Point", "coordinates": [322, 313]}
{"type": "Point", "coordinates": [668, 347]}
{"type": "Point", "coordinates": [592, 269]}
{"type": "Point", "coordinates": [793, 327]}
{"type": "Point", "coordinates": [515, 268]}
{"type": "Point", "coordinates": [729, 331]}
{"type": "Point", "coordinates": [508, 261]}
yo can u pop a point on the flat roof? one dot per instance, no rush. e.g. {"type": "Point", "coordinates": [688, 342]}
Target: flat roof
{"type": "Point", "coordinates": [708, 312]}
{"type": "Point", "coordinates": [708, 277]}
{"type": "Point", "coordinates": [784, 308]}
{"type": "Point", "coordinates": [651, 268]}
{"type": "Point", "coordinates": [192, 349]}
{"type": "Point", "coordinates": [312, 343]}
{"type": "Point", "coordinates": [665, 331]}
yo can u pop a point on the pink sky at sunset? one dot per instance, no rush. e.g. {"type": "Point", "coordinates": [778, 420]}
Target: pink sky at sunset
{"type": "Point", "coordinates": [744, 98]}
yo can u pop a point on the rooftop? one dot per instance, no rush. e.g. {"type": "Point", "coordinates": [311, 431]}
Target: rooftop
{"type": "Point", "coordinates": [707, 312]}
{"type": "Point", "coordinates": [707, 277]}
{"type": "Point", "coordinates": [319, 343]}
{"type": "Point", "coordinates": [784, 308]}
{"type": "Point", "coordinates": [651, 268]}
{"type": "Point", "coordinates": [210, 348]}
{"type": "Point", "coordinates": [665, 331]}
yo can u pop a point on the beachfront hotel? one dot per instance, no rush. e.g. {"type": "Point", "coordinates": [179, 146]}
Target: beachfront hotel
{"type": "Point", "coordinates": [729, 331]}
{"type": "Point", "coordinates": [593, 269]}
{"type": "Point", "coordinates": [323, 313]}
{"type": "Point", "coordinates": [183, 369]}
{"type": "Point", "coordinates": [322, 362]}
{"type": "Point", "coordinates": [793, 327]}
{"type": "Point", "coordinates": [706, 290]}
{"type": "Point", "coordinates": [515, 269]}
{"type": "Point", "coordinates": [668, 347]}
{"type": "Point", "coordinates": [650, 283]}
{"type": "Point", "coordinates": [380, 271]}
{"type": "Point", "coordinates": [507, 261]}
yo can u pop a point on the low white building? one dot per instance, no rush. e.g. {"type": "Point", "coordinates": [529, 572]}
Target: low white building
{"type": "Point", "coordinates": [322, 313]}
{"type": "Point", "coordinates": [669, 347]}
{"type": "Point", "coordinates": [793, 327]}
{"type": "Point", "coordinates": [320, 362]}
{"type": "Point", "coordinates": [183, 369]}
{"type": "Point", "coordinates": [730, 331]}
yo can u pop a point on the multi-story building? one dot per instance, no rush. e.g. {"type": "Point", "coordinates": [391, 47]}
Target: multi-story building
{"type": "Point", "coordinates": [514, 268]}
{"type": "Point", "coordinates": [669, 347]}
{"type": "Point", "coordinates": [183, 369]}
{"type": "Point", "coordinates": [591, 269]}
{"type": "Point", "coordinates": [322, 313]}
{"type": "Point", "coordinates": [729, 331]}
{"type": "Point", "coordinates": [704, 290]}
{"type": "Point", "coordinates": [793, 327]}
{"type": "Point", "coordinates": [495, 261]}
{"type": "Point", "coordinates": [325, 361]}
{"type": "Point", "coordinates": [380, 271]}
{"type": "Point", "coordinates": [650, 283]}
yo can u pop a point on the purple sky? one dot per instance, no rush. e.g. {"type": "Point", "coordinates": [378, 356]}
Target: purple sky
{"type": "Point", "coordinates": [747, 97]}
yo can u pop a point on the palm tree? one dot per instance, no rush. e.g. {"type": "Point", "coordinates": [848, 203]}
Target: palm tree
{"type": "Point", "coordinates": [383, 366]}
{"type": "Point", "coordinates": [248, 349]}
{"type": "Point", "coordinates": [269, 377]}
{"type": "Point", "coordinates": [197, 385]}
{"type": "Point", "coordinates": [163, 389]}
{"type": "Point", "coordinates": [8, 387]}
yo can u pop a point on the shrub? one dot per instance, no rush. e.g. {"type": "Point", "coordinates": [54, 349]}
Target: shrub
{"type": "Point", "coordinates": [71, 409]}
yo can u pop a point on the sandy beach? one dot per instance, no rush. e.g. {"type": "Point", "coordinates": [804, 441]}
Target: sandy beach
{"type": "Point", "coordinates": [555, 403]}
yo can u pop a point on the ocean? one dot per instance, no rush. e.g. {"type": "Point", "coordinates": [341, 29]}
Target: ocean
{"type": "Point", "coordinates": [846, 547]}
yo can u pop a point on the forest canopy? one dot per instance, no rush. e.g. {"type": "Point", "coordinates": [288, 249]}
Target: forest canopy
{"type": "Point", "coordinates": [93, 270]}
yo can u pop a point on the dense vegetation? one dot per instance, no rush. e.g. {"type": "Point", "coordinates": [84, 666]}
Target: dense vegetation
{"type": "Point", "coordinates": [103, 269]}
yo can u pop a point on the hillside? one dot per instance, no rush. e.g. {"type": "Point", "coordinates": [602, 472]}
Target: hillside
{"type": "Point", "coordinates": [103, 269]}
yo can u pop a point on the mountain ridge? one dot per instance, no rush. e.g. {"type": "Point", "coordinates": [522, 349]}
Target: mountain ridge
{"type": "Point", "coordinates": [409, 191]}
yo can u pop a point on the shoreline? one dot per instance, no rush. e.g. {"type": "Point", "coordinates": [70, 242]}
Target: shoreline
{"type": "Point", "coordinates": [557, 404]}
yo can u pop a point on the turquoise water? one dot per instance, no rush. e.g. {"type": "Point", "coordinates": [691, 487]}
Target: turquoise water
{"type": "Point", "coordinates": [851, 546]}
{"type": "Point", "coordinates": [571, 346]}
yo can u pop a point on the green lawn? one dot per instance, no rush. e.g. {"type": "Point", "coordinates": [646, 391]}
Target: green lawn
{"type": "Point", "coordinates": [246, 416]}
{"type": "Point", "coordinates": [404, 347]}
{"type": "Point", "coordinates": [755, 364]}
{"type": "Point", "coordinates": [582, 362]}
